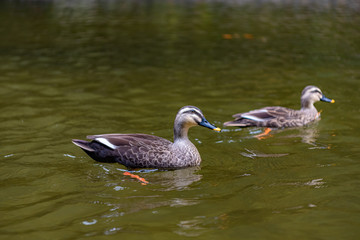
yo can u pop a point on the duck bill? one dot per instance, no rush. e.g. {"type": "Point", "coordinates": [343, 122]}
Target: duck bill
{"type": "Point", "coordinates": [325, 99]}
{"type": "Point", "coordinates": [206, 124]}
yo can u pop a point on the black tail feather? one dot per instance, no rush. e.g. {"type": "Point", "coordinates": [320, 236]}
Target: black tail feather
{"type": "Point", "coordinates": [85, 145]}
{"type": "Point", "coordinates": [95, 150]}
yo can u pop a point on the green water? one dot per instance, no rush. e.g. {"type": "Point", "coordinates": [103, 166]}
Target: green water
{"type": "Point", "coordinates": [74, 68]}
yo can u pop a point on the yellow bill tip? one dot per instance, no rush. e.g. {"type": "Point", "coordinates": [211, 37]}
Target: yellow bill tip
{"type": "Point", "coordinates": [217, 129]}
{"type": "Point", "coordinates": [332, 100]}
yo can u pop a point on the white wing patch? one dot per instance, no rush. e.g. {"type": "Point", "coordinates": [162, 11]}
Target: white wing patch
{"type": "Point", "coordinates": [252, 117]}
{"type": "Point", "coordinates": [256, 119]}
{"type": "Point", "coordinates": [106, 143]}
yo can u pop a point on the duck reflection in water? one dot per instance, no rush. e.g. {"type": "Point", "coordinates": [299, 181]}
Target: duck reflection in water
{"type": "Point", "coordinates": [179, 179]}
{"type": "Point", "coordinates": [150, 198]}
{"type": "Point", "coordinates": [170, 179]}
{"type": "Point", "coordinates": [308, 135]}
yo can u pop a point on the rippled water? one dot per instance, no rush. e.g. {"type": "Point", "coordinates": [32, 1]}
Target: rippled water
{"type": "Point", "coordinates": [73, 68]}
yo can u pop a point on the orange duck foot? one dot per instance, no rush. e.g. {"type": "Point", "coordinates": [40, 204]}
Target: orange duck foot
{"type": "Point", "coordinates": [142, 180]}
{"type": "Point", "coordinates": [264, 134]}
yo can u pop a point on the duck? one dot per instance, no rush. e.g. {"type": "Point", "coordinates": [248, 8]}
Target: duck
{"type": "Point", "coordinates": [282, 117]}
{"type": "Point", "coordinates": [139, 150]}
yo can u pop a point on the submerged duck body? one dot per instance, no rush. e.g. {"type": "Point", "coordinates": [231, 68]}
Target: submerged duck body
{"type": "Point", "coordinates": [148, 151]}
{"type": "Point", "coordinates": [281, 117]}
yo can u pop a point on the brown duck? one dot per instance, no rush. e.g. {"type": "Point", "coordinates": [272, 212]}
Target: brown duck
{"type": "Point", "coordinates": [148, 151]}
{"type": "Point", "coordinates": [281, 117]}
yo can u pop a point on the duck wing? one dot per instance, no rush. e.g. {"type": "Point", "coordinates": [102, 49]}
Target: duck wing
{"type": "Point", "coordinates": [114, 141]}
{"type": "Point", "coordinates": [268, 116]}
{"type": "Point", "coordinates": [131, 150]}
{"type": "Point", "coordinates": [265, 113]}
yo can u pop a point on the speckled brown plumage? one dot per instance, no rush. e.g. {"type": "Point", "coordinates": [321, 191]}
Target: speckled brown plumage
{"type": "Point", "coordinates": [280, 117]}
{"type": "Point", "coordinates": [148, 151]}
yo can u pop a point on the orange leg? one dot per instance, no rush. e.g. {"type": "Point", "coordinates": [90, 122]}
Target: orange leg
{"type": "Point", "coordinates": [142, 180]}
{"type": "Point", "coordinates": [318, 114]}
{"type": "Point", "coordinates": [262, 135]}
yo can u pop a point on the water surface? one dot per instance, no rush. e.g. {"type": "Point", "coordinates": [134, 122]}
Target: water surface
{"type": "Point", "coordinates": [74, 68]}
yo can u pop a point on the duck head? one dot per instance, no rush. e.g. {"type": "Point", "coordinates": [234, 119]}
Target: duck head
{"type": "Point", "coordinates": [312, 94]}
{"type": "Point", "coordinates": [190, 116]}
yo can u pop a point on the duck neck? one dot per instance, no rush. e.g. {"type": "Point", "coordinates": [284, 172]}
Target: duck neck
{"type": "Point", "coordinates": [181, 132]}
{"type": "Point", "coordinates": [307, 105]}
